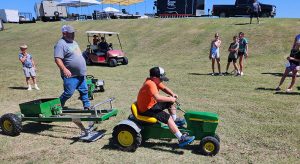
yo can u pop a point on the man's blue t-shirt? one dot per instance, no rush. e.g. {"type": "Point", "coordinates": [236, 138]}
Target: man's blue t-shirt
{"type": "Point", "coordinates": [27, 63]}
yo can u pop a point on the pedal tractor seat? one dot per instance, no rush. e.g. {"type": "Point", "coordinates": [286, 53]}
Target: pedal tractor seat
{"type": "Point", "coordinates": [146, 119]}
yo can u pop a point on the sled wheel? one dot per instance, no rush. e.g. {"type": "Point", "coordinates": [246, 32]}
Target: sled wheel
{"type": "Point", "coordinates": [209, 146]}
{"type": "Point", "coordinates": [126, 138]}
{"type": "Point", "coordinates": [11, 124]}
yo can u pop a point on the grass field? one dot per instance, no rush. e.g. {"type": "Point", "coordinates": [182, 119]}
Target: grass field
{"type": "Point", "coordinates": [256, 125]}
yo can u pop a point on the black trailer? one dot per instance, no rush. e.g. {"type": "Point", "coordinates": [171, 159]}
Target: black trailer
{"type": "Point", "coordinates": [179, 8]}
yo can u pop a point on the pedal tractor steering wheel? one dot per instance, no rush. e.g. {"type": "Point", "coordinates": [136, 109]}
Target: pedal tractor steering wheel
{"type": "Point", "coordinates": [89, 77]}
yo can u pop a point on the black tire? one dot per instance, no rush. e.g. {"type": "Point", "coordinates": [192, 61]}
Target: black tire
{"type": "Point", "coordinates": [126, 138]}
{"type": "Point", "coordinates": [11, 124]}
{"type": "Point", "coordinates": [265, 15]}
{"type": "Point", "coordinates": [218, 137]}
{"type": "Point", "coordinates": [101, 89]}
{"type": "Point", "coordinates": [222, 15]}
{"type": "Point", "coordinates": [112, 62]}
{"type": "Point", "coordinates": [209, 146]}
{"type": "Point", "coordinates": [125, 61]}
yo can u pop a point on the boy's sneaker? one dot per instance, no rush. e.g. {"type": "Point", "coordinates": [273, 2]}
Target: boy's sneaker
{"type": "Point", "coordinates": [277, 89]}
{"type": "Point", "coordinates": [242, 74]}
{"type": "Point", "coordinates": [36, 87]}
{"type": "Point", "coordinates": [29, 89]}
{"type": "Point", "coordinates": [226, 73]}
{"type": "Point", "coordinates": [220, 74]}
{"type": "Point", "coordinates": [288, 90]}
{"type": "Point", "coordinates": [180, 121]}
{"type": "Point", "coordinates": [213, 74]}
{"type": "Point", "coordinates": [185, 140]}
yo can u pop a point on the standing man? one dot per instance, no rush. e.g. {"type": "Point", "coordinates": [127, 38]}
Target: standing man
{"type": "Point", "coordinates": [243, 51]}
{"type": "Point", "coordinates": [71, 63]}
{"type": "Point", "coordinates": [255, 10]}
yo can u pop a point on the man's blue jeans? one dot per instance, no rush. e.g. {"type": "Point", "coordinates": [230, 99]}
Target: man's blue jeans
{"type": "Point", "coordinates": [70, 85]}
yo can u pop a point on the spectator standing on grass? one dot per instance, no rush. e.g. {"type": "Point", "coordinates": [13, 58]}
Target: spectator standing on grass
{"type": "Point", "coordinates": [232, 57]}
{"type": "Point", "coordinates": [29, 67]}
{"type": "Point", "coordinates": [243, 51]}
{"type": "Point", "coordinates": [214, 54]}
{"type": "Point", "coordinates": [293, 65]}
{"type": "Point", "coordinates": [255, 10]}
{"type": "Point", "coordinates": [71, 63]}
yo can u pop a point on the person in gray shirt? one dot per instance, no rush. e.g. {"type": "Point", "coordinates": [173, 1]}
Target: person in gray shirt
{"type": "Point", "coordinates": [255, 10]}
{"type": "Point", "coordinates": [71, 63]}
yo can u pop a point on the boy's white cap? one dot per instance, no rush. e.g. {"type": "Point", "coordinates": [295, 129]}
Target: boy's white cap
{"type": "Point", "coordinates": [67, 28]}
{"type": "Point", "coordinates": [24, 46]}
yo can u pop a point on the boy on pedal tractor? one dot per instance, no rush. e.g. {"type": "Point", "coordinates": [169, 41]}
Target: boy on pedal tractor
{"type": "Point", "coordinates": [151, 103]}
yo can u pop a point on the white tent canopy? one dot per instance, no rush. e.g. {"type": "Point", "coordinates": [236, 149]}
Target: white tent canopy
{"type": "Point", "coordinates": [111, 9]}
{"type": "Point", "coordinates": [77, 3]}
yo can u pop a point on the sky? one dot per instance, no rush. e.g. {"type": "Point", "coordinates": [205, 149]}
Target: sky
{"type": "Point", "coordinates": [285, 8]}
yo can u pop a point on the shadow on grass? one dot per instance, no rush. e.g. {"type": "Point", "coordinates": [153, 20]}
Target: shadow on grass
{"type": "Point", "coordinates": [103, 65]}
{"type": "Point", "coordinates": [162, 146]}
{"type": "Point", "coordinates": [271, 73]}
{"type": "Point", "coordinates": [265, 89]}
{"type": "Point", "coordinates": [37, 128]}
{"type": "Point", "coordinates": [18, 88]}
{"type": "Point", "coordinates": [287, 93]}
{"type": "Point", "coordinates": [241, 24]}
{"type": "Point", "coordinates": [206, 74]}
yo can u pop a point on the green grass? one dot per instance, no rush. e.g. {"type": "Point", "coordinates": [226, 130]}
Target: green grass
{"type": "Point", "coordinates": [256, 125]}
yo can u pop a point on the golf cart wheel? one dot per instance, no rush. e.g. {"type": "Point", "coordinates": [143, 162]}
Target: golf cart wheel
{"type": "Point", "coordinates": [209, 146]}
{"type": "Point", "coordinates": [112, 62]}
{"type": "Point", "coordinates": [101, 89]}
{"type": "Point", "coordinates": [126, 138]}
{"type": "Point", "coordinates": [125, 61]}
{"type": "Point", "coordinates": [11, 124]}
{"type": "Point", "coordinates": [92, 96]}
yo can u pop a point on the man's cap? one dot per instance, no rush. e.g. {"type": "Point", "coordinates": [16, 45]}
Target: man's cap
{"type": "Point", "coordinates": [23, 46]}
{"type": "Point", "coordinates": [158, 72]}
{"type": "Point", "coordinates": [67, 28]}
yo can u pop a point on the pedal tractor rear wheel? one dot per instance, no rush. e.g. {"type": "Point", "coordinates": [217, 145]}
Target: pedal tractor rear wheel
{"type": "Point", "coordinates": [209, 146]}
{"type": "Point", "coordinates": [126, 138]}
{"type": "Point", "coordinates": [11, 124]}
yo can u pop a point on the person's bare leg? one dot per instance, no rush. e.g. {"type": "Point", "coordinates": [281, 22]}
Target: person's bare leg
{"type": "Point", "coordinates": [219, 65]}
{"type": "Point", "coordinates": [286, 72]}
{"type": "Point", "coordinates": [294, 76]}
{"type": "Point", "coordinates": [241, 60]}
{"type": "Point", "coordinates": [174, 129]}
{"type": "Point", "coordinates": [213, 65]}
{"type": "Point", "coordinates": [227, 67]}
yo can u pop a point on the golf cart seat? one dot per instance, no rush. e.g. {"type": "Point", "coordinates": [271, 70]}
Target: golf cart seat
{"type": "Point", "coordinates": [146, 119]}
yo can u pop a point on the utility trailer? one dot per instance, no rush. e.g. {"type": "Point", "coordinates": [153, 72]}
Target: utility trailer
{"type": "Point", "coordinates": [50, 110]}
{"type": "Point", "coordinates": [48, 10]}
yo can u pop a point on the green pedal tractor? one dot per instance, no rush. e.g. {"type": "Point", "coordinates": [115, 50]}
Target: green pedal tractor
{"type": "Point", "coordinates": [50, 110]}
{"type": "Point", "coordinates": [94, 85]}
{"type": "Point", "coordinates": [129, 134]}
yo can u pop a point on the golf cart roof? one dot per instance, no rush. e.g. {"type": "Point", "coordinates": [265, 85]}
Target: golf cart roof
{"type": "Point", "coordinates": [91, 33]}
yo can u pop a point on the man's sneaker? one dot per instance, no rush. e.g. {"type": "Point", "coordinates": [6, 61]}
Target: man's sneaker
{"type": "Point", "coordinates": [220, 74]}
{"type": "Point", "coordinates": [242, 73]}
{"type": "Point", "coordinates": [180, 121]}
{"type": "Point", "coordinates": [277, 89]}
{"type": "Point", "coordinates": [226, 73]}
{"type": "Point", "coordinates": [288, 90]}
{"type": "Point", "coordinates": [29, 89]}
{"type": "Point", "coordinates": [185, 140]}
{"type": "Point", "coordinates": [213, 74]}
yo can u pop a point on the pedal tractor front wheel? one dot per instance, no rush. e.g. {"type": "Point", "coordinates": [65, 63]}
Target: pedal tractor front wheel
{"type": "Point", "coordinates": [126, 138]}
{"type": "Point", "coordinates": [11, 124]}
{"type": "Point", "coordinates": [209, 146]}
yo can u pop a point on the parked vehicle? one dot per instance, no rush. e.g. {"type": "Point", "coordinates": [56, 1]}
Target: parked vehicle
{"type": "Point", "coordinates": [177, 8]}
{"type": "Point", "coordinates": [1, 25]}
{"type": "Point", "coordinates": [9, 16]}
{"type": "Point", "coordinates": [48, 10]}
{"type": "Point", "coordinates": [112, 56]}
{"type": "Point", "coordinates": [26, 18]}
{"type": "Point", "coordinates": [242, 8]}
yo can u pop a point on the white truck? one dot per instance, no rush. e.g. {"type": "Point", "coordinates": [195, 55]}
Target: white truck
{"type": "Point", "coordinates": [47, 10]}
{"type": "Point", "coordinates": [9, 16]}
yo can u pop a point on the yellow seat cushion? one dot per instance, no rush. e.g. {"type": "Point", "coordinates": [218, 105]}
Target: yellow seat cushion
{"type": "Point", "coordinates": [134, 111]}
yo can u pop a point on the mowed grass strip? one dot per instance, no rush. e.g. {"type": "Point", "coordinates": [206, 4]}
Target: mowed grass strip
{"type": "Point", "coordinates": [256, 125]}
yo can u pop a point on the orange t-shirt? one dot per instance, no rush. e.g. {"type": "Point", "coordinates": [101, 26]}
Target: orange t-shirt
{"type": "Point", "coordinates": [145, 98]}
